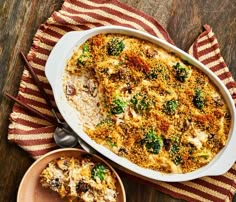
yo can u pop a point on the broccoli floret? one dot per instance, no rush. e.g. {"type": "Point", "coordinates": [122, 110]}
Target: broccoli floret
{"type": "Point", "coordinates": [171, 106]}
{"type": "Point", "coordinates": [153, 74]}
{"type": "Point", "coordinates": [205, 154]}
{"type": "Point", "coordinates": [118, 106]}
{"type": "Point", "coordinates": [178, 160]}
{"type": "Point", "coordinates": [198, 100]}
{"type": "Point", "coordinates": [174, 152]}
{"type": "Point", "coordinates": [153, 143]}
{"type": "Point", "coordinates": [141, 102]}
{"type": "Point", "coordinates": [81, 60]}
{"type": "Point", "coordinates": [84, 56]}
{"type": "Point", "coordinates": [108, 121]}
{"type": "Point", "coordinates": [99, 171]}
{"type": "Point", "coordinates": [174, 146]}
{"type": "Point", "coordinates": [110, 142]}
{"type": "Point", "coordinates": [181, 72]}
{"type": "Point", "coordinates": [115, 47]}
{"type": "Point", "coordinates": [86, 48]}
{"type": "Point", "coordinates": [174, 149]}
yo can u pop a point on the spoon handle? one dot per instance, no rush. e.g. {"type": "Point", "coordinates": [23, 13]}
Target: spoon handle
{"type": "Point", "coordinates": [29, 108]}
{"type": "Point", "coordinates": [37, 82]}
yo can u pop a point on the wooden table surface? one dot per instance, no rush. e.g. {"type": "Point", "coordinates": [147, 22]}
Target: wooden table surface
{"type": "Point", "coordinates": [19, 21]}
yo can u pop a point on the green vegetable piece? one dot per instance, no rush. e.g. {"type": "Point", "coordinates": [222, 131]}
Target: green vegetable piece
{"type": "Point", "coordinates": [174, 149]}
{"type": "Point", "coordinates": [175, 146]}
{"type": "Point", "coordinates": [178, 160]}
{"type": "Point", "coordinates": [153, 74]}
{"type": "Point", "coordinates": [141, 102]}
{"type": "Point", "coordinates": [153, 143]}
{"type": "Point", "coordinates": [118, 106]}
{"type": "Point", "coordinates": [81, 60]}
{"type": "Point", "coordinates": [110, 142]}
{"type": "Point", "coordinates": [115, 47]}
{"type": "Point", "coordinates": [203, 154]}
{"type": "Point", "coordinates": [99, 171]}
{"type": "Point", "coordinates": [198, 100]}
{"type": "Point", "coordinates": [181, 72]}
{"type": "Point", "coordinates": [86, 48]}
{"type": "Point", "coordinates": [107, 121]}
{"type": "Point", "coordinates": [171, 106]}
{"type": "Point", "coordinates": [134, 100]}
{"type": "Point", "coordinates": [84, 56]}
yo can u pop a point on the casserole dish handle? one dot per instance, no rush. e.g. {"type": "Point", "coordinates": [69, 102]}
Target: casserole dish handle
{"type": "Point", "coordinates": [63, 45]}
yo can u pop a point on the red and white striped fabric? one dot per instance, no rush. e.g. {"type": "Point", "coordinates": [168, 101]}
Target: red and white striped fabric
{"type": "Point", "coordinates": [35, 135]}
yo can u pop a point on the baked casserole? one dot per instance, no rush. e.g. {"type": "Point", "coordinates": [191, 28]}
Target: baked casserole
{"type": "Point", "coordinates": [146, 104]}
{"type": "Point", "coordinates": [80, 180]}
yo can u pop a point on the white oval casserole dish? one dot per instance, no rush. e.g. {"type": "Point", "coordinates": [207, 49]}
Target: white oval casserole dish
{"type": "Point", "coordinates": [54, 71]}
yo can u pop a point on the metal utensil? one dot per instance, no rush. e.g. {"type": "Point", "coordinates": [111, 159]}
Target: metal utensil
{"type": "Point", "coordinates": [64, 139]}
{"type": "Point", "coordinates": [62, 130]}
{"type": "Point", "coordinates": [64, 136]}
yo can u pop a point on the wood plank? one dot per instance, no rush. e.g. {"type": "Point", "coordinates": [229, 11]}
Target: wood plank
{"type": "Point", "coordinates": [19, 21]}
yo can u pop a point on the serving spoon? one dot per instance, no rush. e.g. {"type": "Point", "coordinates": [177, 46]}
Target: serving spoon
{"type": "Point", "coordinates": [63, 135]}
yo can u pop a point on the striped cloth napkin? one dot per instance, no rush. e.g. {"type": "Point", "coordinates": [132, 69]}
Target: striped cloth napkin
{"type": "Point", "coordinates": [35, 135]}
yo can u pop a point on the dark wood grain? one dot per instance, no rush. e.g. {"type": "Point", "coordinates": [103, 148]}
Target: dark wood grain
{"type": "Point", "coordinates": [19, 21]}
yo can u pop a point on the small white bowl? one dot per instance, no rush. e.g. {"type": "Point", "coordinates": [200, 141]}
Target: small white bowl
{"type": "Point", "coordinates": [31, 190]}
{"type": "Point", "coordinates": [55, 68]}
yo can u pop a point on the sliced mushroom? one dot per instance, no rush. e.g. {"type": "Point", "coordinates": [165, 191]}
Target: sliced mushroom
{"type": "Point", "coordinates": [70, 89]}
{"type": "Point", "coordinates": [120, 74]}
{"type": "Point", "coordinates": [92, 87]}
{"type": "Point", "coordinates": [186, 125]}
{"type": "Point", "coordinates": [150, 53]}
{"type": "Point", "coordinates": [82, 187]}
{"type": "Point", "coordinates": [122, 151]}
{"type": "Point", "coordinates": [218, 101]}
{"type": "Point", "coordinates": [167, 144]}
{"type": "Point", "coordinates": [127, 88]}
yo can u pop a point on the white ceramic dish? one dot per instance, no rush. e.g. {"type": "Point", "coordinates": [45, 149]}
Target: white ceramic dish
{"type": "Point", "coordinates": [54, 71]}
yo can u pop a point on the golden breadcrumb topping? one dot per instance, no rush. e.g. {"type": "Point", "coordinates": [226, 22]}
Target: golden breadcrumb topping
{"type": "Point", "coordinates": [146, 104]}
